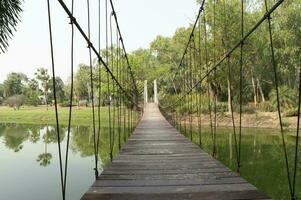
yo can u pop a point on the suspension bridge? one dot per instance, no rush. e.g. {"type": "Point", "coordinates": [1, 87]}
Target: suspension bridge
{"type": "Point", "coordinates": [159, 160]}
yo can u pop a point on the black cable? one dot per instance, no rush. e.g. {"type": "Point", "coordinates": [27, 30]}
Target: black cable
{"type": "Point", "coordinates": [71, 100]}
{"type": "Point", "coordinates": [214, 77]}
{"type": "Point", "coordinates": [190, 69]}
{"type": "Point", "coordinates": [208, 81]}
{"type": "Point", "coordinates": [199, 101]}
{"type": "Point", "coordinates": [118, 78]}
{"type": "Point", "coordinates": [113, 86]}
{"type": "Point", "coordinates": [108, 81]}
{"type": "Point", "coordinates": [55, 99]}
{"type": "Point", "coordinates": [278, 103]}
{"type": "Point", "coordinates": [64, 6]}
{"type": "Point", "coordinates": [92, 94]}
{"type": "Point", "coordinates": [232, 114]}
{"type": "Point", "coordinates": [237, 45]}
{"type": "Point", "coordinates": [99, 87]}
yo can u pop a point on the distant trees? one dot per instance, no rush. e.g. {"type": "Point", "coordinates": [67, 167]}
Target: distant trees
{"type": "Point", "coordinates": [18, 89]}
{"type": "Point", "coordinates": [14, 83]}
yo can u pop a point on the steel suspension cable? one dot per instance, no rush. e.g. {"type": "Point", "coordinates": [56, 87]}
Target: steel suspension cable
{"type": "Point", "coordinates": [99, 91]}
{"type": "Point", "coordinates": [200, 92]}
{"type": "Point", "coordinates": [108, 81]}
{"type": "Point", "coordinates": [118, 97]}
{"type": "Point", "coordinates": [92, 92]}
{"type": "Point", "coordinates": [190, 70]}
{"type": "Point", "coordinates": [68, 12]}
{"type": "Point", "coordinates": [113, 88]}
{"type": "Point", "coordinates": [70, 101]}
{"type": "Point", "coordinates": [240, 87]}
{"type": "Point", "coordinates": [232, 113]}
{"type": "Point", "coordinates": [214, 77]}
{"type": "Point", "coordinates": [274, 64]}
{"type": "Point", "coordinates": [237, 45]}
{"type": "Point", "coordinates": [55, 99]}
{"type": "Point", "coordinates": [208, 81]}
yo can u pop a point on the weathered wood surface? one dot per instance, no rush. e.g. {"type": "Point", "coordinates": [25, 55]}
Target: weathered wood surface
{"type": "Point", "coordinates": [159, 163]}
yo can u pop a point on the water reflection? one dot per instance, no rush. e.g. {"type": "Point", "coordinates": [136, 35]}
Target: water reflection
{"type": "Point", "coordinates": [34, 147]}
{"type": "Point", "coordinates": [262, 158]}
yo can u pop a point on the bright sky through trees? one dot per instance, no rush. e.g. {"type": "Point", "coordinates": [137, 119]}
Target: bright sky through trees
{"type": "Point", "coordinates": [140, 22]}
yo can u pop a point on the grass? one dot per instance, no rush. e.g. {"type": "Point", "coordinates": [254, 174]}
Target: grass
{"type": "Point", "coordinates": [40, 115]}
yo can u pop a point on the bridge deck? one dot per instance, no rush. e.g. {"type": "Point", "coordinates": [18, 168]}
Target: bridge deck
{"type": "Point", "coordinates": [159, 163]}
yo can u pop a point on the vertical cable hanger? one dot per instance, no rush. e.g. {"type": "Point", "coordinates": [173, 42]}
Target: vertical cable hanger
{"type": "Point", "coordinates": [123, 99]}
{"type": "Point", "coordinates": [214, 77]}
{"type": "Point", "coordinates": [113, 85]}
{"type": "Point", "coordinates": [55, 100]}
{"type": "Point", "coordinates": [230, 88]}
{"type": "Point", "coordinates": [118, 91]}
{"type": "Point", "coordinates": [190, 71]}
{"type": "Point", "coordinates": [208, 79]}
{"type": "Point", "coordinates": [99, 90]}
{"type": "Point", "coordinates": [108, 81]}
{"type": "Point", "coordinates": [71, 99]}
{"type": "Point", "coordinates": [240, 87]}
{"type": "Point", "coordinates": [181, 103]}
{"type": "Point", "coordinates": [92, 92]}
{"type": "Point", "coordinates": [184, 91]}
{"type": "Point", "coordinates": [199, 101]}
{"type": "Point", "coordinates": [273, 59]}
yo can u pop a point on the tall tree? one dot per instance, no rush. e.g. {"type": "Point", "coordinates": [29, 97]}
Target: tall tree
{"type": "Point", "coordinates": [44, 79]}
{"type": "Point", "coordinates": [14, 83]}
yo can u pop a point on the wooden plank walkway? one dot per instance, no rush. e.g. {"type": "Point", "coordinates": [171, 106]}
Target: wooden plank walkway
{"type": "Point", "coordinates": [158, 163]}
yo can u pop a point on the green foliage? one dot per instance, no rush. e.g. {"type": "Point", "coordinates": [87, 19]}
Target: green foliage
{"type": "Point", "coordinates": [14, 83]}
{"type": "Point", "coordinates": [287, 97]}
{"type": "Point", "coordinates": [266, 107]}
{"type": "Point", "coordinates": [44, 80]}
{"type": "Point", "coordinates": [9, 17]}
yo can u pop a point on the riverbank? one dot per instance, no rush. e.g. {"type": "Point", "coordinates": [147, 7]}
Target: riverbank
{"type": "Point", "coordinates": [255, 120]}
{"type": "Point", "coordinates": [42, 115]}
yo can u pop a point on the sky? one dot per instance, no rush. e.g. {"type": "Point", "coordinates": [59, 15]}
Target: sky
{"type": "Point", "coordinates": [140, 22]}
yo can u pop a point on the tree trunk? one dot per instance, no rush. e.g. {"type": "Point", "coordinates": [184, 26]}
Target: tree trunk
{"type": "Point", "coordinates": [229, 97]}
{"type": "Point", "coordinates": [254, 91]}
{"type": "Point", "coordinates": [260, 90]}
{"type": "Point", "coordinates": [174, 86]}
{"type": "Point", "coordinates": [45, 96]}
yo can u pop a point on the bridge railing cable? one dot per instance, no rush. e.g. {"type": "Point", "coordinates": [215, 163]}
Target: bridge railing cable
{"type": "Point", "coordinates": [198, 76]}
{"type": "Point", "coordinates": [113, 70]}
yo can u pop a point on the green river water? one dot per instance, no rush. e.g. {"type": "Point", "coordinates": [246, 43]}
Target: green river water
{"type": "Point", "coordinates": [29, 166]}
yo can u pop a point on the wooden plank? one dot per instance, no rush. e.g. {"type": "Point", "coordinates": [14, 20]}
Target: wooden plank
{"type": "Point", "coordinates": [159, 163]}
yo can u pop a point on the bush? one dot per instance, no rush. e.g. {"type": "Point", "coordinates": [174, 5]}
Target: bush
{"type": "Point", "coordinates": [15, 101]}
{"type": "Point", "coordinates": [291, 112]}
{"type": "Point", "coordinates": [266, 107]}
{"type": "Point", "coordinates": [65, 104]}
{"type": "Point", "coordinates": [287, 97]}
{"type": "Point", "coordinates": [33, 100]}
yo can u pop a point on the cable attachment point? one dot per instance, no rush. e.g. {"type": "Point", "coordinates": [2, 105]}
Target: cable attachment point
{"type": "Point", "coordinates": [96, 172]}
{"type": "Point", "coordinates": [72, 20]}
{"type": "Point", "coordinates": [268, 16]}
{"type": "Point", "coordinates": [89, 44]}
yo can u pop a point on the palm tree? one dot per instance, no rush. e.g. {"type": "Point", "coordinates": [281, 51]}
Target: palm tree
{"type": "Point", "coordinates": [9, 17]}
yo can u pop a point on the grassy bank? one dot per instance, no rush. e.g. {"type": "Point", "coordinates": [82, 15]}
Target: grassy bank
{"type": "Point", "coordinates": [40, 115]}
